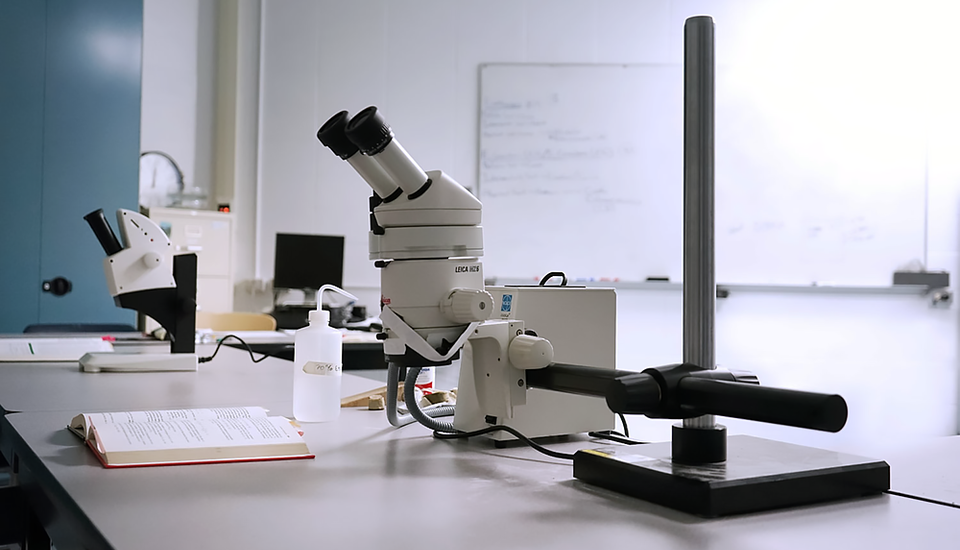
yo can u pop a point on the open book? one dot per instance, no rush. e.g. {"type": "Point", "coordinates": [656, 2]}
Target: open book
{"type": "Point", "coordinates": [189, 436]}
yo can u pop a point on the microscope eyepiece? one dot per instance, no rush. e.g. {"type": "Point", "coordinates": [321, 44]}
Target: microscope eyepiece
{"type": "Point", "coordinates": [368, 131]}
{"type": "Point", "coordinates": [385, 164]}
{"type": "Point", "coordinates": [333, 135]}
{"type": "Point", "coordinates": [101, 228]}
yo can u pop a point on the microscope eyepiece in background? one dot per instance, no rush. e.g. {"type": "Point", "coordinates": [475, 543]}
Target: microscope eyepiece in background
{"type": "Point", "coordinates": [103, 231]}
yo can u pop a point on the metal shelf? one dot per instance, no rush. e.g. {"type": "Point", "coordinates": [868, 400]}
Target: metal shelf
{"type": "Point", "coordinates": [919, 290]}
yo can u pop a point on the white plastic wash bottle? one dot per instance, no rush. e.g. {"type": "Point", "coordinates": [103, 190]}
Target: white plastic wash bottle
{"type": "Point", "coordinates": [318, 365]}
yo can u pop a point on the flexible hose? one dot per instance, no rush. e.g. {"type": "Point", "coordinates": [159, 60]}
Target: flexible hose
{"type": "Point", "coordinates": [425, 418]}
{"type": "Point", "coordinates": [393, 378]}
{"type": "Point", "coordinates": [398, 420]}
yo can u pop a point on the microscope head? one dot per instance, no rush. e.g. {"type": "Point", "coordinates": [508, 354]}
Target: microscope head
{"type": "Point", "coordinates": [425, 235]}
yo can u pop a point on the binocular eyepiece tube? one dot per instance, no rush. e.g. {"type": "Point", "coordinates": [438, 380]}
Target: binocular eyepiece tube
{"type": "Point", "coordinates": [383, 163]}
{"type": "Point", "coordinates": [333, 135]}
{"type": "Point", "coordinates": [101, 228]}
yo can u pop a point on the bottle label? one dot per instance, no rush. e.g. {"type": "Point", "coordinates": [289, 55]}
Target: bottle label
{"type": "Point", "coordinates": [317, 367]}
{"type": "Point", "coordinates": [425, 380]}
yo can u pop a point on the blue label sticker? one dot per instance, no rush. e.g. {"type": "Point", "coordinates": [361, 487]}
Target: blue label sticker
{"type": "Point", "coordinates": [506, 304]}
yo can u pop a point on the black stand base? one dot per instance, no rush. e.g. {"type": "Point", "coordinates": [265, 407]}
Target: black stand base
{"type": "Point", "coordinates": [758, 475]}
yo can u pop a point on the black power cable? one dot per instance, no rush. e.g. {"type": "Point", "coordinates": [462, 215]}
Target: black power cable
{"type": "Point", "coordinates": [220, 343]}
{"type": "Point", "coordinates": [511, 431]}
{"type": "Point", "coordinates": [615, 436]}
{"type": "Point", "coordinates": [606, 434]}
{"type": "Point", "coordinates": [623, 421]}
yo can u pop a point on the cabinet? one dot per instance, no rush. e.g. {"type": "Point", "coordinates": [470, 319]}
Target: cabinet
{"type": "Point", "coordinates": [209, 235]}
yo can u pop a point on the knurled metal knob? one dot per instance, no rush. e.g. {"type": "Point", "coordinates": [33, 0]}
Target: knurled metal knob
{"type": "Point", "coordinates": [466, 305]}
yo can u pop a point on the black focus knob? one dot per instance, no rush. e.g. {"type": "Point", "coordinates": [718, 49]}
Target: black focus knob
{"type": "Point", "coordinates": [58, 286]}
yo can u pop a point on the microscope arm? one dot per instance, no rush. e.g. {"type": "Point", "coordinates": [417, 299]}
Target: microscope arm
{"type": "Point", "coordinates": [686, 391]}
{"type": "Point", "coordinates": [175, 309]}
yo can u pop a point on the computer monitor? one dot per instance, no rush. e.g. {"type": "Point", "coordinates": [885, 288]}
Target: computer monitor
{"type": "Point", "coordinates": [307, 261]}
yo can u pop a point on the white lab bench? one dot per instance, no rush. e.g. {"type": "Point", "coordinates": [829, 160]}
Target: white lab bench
{"type": "Point", "coordinates": [371, 485]}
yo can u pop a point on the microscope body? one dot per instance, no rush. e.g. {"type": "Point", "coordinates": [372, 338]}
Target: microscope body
{"type": "Point", "coordinates": [427, 246]}
{"type": "Point", "coordinates": [426, 238]}
{"type": "Point", "coordinates": [142, 276]}
{"type": "Point", "coordinates": [434, 304]}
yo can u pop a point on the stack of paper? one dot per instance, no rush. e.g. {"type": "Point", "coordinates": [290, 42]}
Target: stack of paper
{"type": "Point", "coordinates": [50, 349]}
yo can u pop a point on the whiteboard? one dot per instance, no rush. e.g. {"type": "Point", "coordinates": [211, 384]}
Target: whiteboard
{"type": "Point", "coordinates": [581, 171]}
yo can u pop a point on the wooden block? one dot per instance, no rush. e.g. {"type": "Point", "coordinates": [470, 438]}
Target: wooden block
{"type": "Point", "coordinates": [363, 399]}
{"type": "Point", "coordinates": [438, 397]}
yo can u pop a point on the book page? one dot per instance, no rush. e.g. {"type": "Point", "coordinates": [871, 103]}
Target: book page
{"type": "Point", "coordinates": [174, 414]}
{"type": "Point", "coordinates": [194, 434]}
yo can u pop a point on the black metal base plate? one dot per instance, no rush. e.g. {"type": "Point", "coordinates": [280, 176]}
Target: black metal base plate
{"type": "Point", "coordinates": [759, 474]}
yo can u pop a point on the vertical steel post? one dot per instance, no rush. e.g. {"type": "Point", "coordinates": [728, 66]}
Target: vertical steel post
{"type": "Point", "coordinates": [699, 283]}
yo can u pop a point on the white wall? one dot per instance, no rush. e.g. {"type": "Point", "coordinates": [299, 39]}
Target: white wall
{"type": "Point", "coordinates": [168, 104]}
{"type": "Point", "coordinates": [418, 61]}
{"type": "Point", "coordinates": [176, 114]}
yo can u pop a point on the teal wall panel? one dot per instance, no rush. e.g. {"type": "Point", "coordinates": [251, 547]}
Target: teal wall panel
{"type": "Point", "coordinates": [69, 144]}
{"type": "Point", "coordinates": [91, 146]}
{"type": "Point", "coordinates": [22, 50]}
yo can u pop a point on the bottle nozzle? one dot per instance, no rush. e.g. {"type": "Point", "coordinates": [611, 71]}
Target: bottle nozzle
{"type": "Point", "coordinates": [322, 315]}
{"type": "Point", "coordinates": [332, 288]}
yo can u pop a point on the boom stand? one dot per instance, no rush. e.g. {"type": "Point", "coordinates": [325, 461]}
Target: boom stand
{"type": "Point", "coordinates": [703, 472]}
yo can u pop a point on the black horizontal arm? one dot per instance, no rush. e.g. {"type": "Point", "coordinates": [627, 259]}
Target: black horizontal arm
{"type": "Point", "coordinates": [801, 409]}
{"type": "Point", "coordinates": [576, 379]}
{"type": "Point", "coordinates": [685, 391]}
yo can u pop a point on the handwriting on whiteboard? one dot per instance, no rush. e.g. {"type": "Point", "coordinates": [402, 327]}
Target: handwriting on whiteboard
{"type": "Point", "coordinates": [530, 151]}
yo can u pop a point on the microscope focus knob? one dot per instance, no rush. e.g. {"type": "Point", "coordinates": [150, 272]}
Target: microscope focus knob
{"type": "Point", "coordinates": [466, 305]}
{"type": "Point", "coordinates": [530, 352]}
{"type": "Point", "coordinates": [152, 259]}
